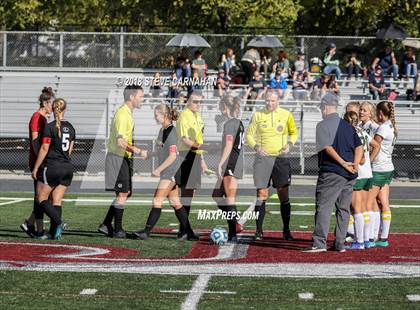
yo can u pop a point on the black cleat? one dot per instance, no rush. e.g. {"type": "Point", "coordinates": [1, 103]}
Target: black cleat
{"type": "Point", "coordinates": [287, 235]}
{"type": "Point", "coordinates": [141, 234]}
{"type": "Point", "coordinates": [189, 237]}
{"type": "Point", "coordinates": [258, 235]}
{"type": "Point", "coordinates": [106, 230]}
{"type": "Point", "coordinates": [119, 234]}
{"type": "Point", "coordinates": [28, 229]}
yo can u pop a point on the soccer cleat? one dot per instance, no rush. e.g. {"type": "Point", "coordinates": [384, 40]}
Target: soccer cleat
{"type": "Point", "coordinates": [372, 244]}
{"type": "Point", "coordinates": [381, 243]}
{"type": "Point", "coordinates": [58, 232]}
{"type": "Point", "coordinates": [43, 236]}
{"type": "Point", "coordinates": [314, 249]}
{"type": "Point", "coordinates": [65, 226]}
{"type": "Point", "coordinates": [349, 238]}
{"type": "Point", "coordinates": [367, 244]}
{"type": "Point", "coordinates": [119, 234]}
{"type": "Point", "coordinates": [356, 246]}
{"type": "Point", "coordinates": [258, 235]}
{"type": "Point", "coordinates": [287, 236]}
{"type": "Point", "coordinates": [141, 234]}
{"type": "Point", "coordinates": [28, 229]}
{"type": "Point", "coordinates": [189, 237]}
{"type": "Point", "coordinates": [106, 230]}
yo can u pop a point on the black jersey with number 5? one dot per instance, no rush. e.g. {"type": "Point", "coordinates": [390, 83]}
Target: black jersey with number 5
{"type": "Point", "coordinates": [234, 129]}
{"type": "Point", "coordinates": [59, 144]}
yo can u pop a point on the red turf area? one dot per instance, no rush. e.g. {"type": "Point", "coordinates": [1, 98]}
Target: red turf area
{"type": "Point", "coordinates": [403, 248]}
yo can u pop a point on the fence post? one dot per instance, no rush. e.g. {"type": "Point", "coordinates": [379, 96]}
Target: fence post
{"type": "Point", "coordinates": [301, 146]}
{"type": "Point", "coordinates": [4, 49]}
{"type": "Point", "coordinates": [121, 50]}
{"type": "Point", "coordinates": [302, 44]}
{"type": "Point", "coordinates": [61, 51]}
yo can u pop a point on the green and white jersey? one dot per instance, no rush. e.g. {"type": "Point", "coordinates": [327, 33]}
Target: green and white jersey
{"type": "Point", "coordinates": [370, 127]}
{"type": "Point", "coordinates": [365, 170]}
{"type": "Point", "coordinates": [383, 162]}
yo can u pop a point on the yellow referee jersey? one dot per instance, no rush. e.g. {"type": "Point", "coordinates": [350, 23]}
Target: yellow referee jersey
{"type": "Point", "coordinates": [272, 130]}
{"type": "Point", "coordinates": [189, 125]}
{"type": "Point", "coordinates": [122, 126]}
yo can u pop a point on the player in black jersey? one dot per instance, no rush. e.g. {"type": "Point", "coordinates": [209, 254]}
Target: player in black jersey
{"type": "Point", "coordinates": [168, 165]}
{"type": "Point", "coordinates": [53, 168]}
{"type": "Point", "coordinates": [230, 167]}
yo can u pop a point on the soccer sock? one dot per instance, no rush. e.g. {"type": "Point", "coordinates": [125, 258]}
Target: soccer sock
{"type": "Point", "coordinates": [350, 229]}
{"type": "Point", "coordinates": [154, 215]}
{"type": "Point", "coordinates": [358, 226]}
{"type": "Point", "coordinates": [110, 215]}
{"type": "Point", "coordinates": [285, 210]}
{"type": "Point", "coordinates": [386, 224]}
{"type": "Point", "coordinates": [53, 226]}
{"type": "Point", "coordinates": [377, 224]}
{"type": "Point", "coordinates": [38, 211]}
{"type": "Point", "coordinates": [51, 212]}
{"type": "Point", "coordinates": [182, 217]}
{"type": "Point", "coordinates": [119, 212]}
{"type": "Point", "coordinates": [367, 228]}
{"type": "Point", "coordinates": [260, 208]}
{"type": "Point", "coordinates": [231, 214]}
{"type": "Point", "coordinates": [187, 208]}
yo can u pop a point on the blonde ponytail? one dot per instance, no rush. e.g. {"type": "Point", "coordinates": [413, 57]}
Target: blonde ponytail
{"type": "Point", "coordinates": [59, 105]}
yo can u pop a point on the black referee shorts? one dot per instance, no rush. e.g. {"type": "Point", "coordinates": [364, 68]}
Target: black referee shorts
{"type": "Point", "coordinates": [54, 174]}
{"type": "Point", "coordinates": [270, 170]}
{"type": "Point", "coordinates": [188, 175]}
{"type": "Point", "coordinates": [118, 173]}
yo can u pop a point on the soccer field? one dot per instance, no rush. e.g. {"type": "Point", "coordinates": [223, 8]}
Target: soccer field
{"type": "Point", "coordinates": [87, 270]}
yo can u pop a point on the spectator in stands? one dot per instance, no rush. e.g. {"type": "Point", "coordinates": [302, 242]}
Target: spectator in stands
{"type": "Point", "coordinates": [279, 84]}
{"type": "Point", "coordinates": [256, 89]}
{"type": "Point", "coordinates": [300, 65]}
{"type": "Point", "coordinates": [173, 88]}
{"type": "Point", "coordinates": [266, 62]}
{"type": "Point", "coordinates": [222, 84]}
{"type": "Point", "coordinates": [387, 61]}
{"type": "Point", "coordinates": [282, 64]}
{"type": "Point", "coordinates": [354, 66]}
{"type": "Point", "coordinates": [332, 85]}
{"type": "Point", "coordinates": [377, 84]}
{"type": "Point", "coordinates": [199, 64]}
{"type": "Point", "coordinates": [229, 61]}
{"type": "Point", "coordinates": [331, 62]}
{"type": "Point", "coordinates": [300, 87]}
{"type": "Point", "coordinates": [250, 62]}
{"type": "Point", "coordinates": [322, 85]}
{"type": "Point", "coordinates": [155, 88]}
{"type": "Point", "coordinates": [196, 84]}
{"type": "Point", "coordinates": [182, 65]}
{"type": "Point", "coordinates": [416, 92]}
{"type": "Point", "coordinates": [409, 64]}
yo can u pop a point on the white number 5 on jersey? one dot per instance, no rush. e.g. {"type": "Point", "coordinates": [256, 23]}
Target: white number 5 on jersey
{"type": "Point", "coordinates": [65, 142]}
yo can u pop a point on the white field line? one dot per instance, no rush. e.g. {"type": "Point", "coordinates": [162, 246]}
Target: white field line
{"type": "Point", "coordinates": [195, 202]}
{"type": "Point", "coordinates": [306, 296]}
{"type": "Point", "coordinates": [197, 291]}
{"type": "Point", "coordinates": [205, 292]}
{"type": "Point", "coordinates": [88, 291]}
{"type": "Point", "coordinates": [413, 297]}
{"type": "Point", "coordinates": [15, 200]}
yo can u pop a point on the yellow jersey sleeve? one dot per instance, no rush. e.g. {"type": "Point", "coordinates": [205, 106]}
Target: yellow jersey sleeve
{"type": "Point", "coordinates": [291, 128]}
{"type": "Point", "coordinates": [251, 131]}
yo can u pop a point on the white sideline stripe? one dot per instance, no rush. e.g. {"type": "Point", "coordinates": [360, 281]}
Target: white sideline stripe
{"type": "Point", "coordinates": [173, 224]}
{"type": "Point", "coordinates": [302, 226]}
{"type": "Point", "coordinates": [88, 291]}
{"type": "Point", "coordinates": [13, 201]}
{"type": "Point", "coordinates": [197, 291]}
{"type": "Point", "coordinates": [306, 296]}
{"type": "Point", "coordinates": [413, 297]}
{"type": "Point", "coordinates": [196, 202]}
{"type": "Point", "coordinates": [205, 292]}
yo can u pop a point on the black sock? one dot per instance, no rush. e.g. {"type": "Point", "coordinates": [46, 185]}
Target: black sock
{"type": "Point", "coordinates": [260, 208]}
{"type": "Point", "coordinates": [285, 210]}
{"type": "Point", "coordinates": [231, 214]}
{"type": "Point", "coordinates": [51, 212]}
{"type": "Point", "coordinates": [53, 226]}
{"type": "Point", "coordinates": [187, 208]}
{"type": "Point", "coordinates": [109, 216]}
{"type": "Point", "coordinates": [38, 211]}
{"type": "Point", "coordinates": [154, 215]}
{"type": "Point", "coordinates": [182, 217]}
{"type": "Point", "coordinates": [118, 219]}
{"type": "Point", "coordinates": [183, 230]}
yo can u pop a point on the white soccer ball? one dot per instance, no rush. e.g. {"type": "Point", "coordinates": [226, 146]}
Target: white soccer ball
{"type": "Point", "coordinates": [219, 235]}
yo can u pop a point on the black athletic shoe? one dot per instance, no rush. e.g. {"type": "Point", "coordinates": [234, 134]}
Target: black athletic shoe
{"type": "Point", "coordinates": [141, 234]}
{"type": "Point", "coordinates": [106, 230]}
{"type": "Point", "coordinates": [258, 235]}
{"type": "Point", "coordinates": [287, 236]}
{"type": "Point", "coordinates": [28, 229]}
{"type": "Point", "coordinates": [119, 234]}
{"type": "Point", "coordinates": [189, 237]}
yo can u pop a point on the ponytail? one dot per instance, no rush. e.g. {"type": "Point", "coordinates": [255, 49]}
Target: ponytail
{"type": "Point", "coordinates": [59, 105]}
{"type": "Point", "coordinates": [171, 113]}
{"type": "Point", "coordinates": [232, 104]}
{"type": "Point", "coordinates": [388, 109]}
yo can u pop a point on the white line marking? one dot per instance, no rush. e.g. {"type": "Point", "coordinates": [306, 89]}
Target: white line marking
{"type": "Point", "coordinates": [173, 224]}
{"type": "Point", "coordinates": [306, 296]}
{"type": "Point", "coordinates": [88, 291]}
{"type": "Point", "coordinates": [413, 297]}
{"type": "Point", "coordinates": [302, 226]}
{"type": "Point", "coordinates": [13, 201]}
{"type": "Point", "coordinates": [205, 292]}
{"type": "Point", "coordinates": [197, 291]}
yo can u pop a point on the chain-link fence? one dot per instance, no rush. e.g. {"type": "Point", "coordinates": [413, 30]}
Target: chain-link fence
{"type": "Point", "coordinates": [149, 51]}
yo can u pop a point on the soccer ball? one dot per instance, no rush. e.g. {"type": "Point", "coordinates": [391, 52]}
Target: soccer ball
{"type": "Point", "coordinates": [219, 235]}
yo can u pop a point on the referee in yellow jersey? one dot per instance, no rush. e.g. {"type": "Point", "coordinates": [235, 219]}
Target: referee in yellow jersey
{"type": "Point", "coordinates": [119, 160]}
{"type": "Point", "coordinates": [271, 131]}
{"type": "Point", "coordinates": [190, 128]}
